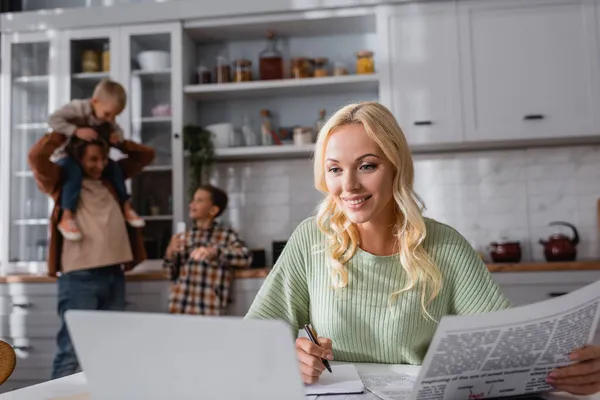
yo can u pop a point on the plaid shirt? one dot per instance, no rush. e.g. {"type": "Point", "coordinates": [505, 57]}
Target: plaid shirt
{"type": "Point", "coordinates": [203, 287]}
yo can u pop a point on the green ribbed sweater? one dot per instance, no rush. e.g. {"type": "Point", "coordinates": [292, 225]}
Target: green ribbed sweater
{"type": "Point", "coordinates": [358, 319]}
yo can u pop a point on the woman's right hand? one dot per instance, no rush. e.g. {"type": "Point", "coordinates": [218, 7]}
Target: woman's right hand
{"type": "Point", "coordinates": [309, 355]}
{"type": "Point", "coordinates": [176, 245]}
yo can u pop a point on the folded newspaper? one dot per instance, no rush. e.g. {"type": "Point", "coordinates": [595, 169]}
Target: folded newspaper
{"type": "Point", "coordinates": [509, 352]}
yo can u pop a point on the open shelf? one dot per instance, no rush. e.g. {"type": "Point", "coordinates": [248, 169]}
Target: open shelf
{"type": "Point", "coordinates": [90, 76]}
{"type": "Point", "coordinates": [31, 221]}
{"type": "Point", "coordinates": [32, 79]}
{"type": "Point", "coordinates": [153, 120]}
{"type": "Point", "coordinates": [142, 72]}
{"type": "Point", "coordinates": [264, 152]}
{"type": "Point", "coordinates": [157, 217]}
{"type": "Point", "coordinates": [157, 168]}
{"type": "Point", "coordinates": [32, 126]}
{"type": "Point", "coordinates": [299, 23]}
{"type": "Point", "coordinates": [284, 87]}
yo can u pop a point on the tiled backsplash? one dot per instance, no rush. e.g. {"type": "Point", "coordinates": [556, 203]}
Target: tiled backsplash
{"type": "Point", "coordinates": [484, 195]}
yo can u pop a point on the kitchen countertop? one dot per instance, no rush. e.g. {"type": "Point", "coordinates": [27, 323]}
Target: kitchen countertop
{"type": "Point", "coordinates": [151, 271]}
{"type": "Point", "coordinates": [545, 266]}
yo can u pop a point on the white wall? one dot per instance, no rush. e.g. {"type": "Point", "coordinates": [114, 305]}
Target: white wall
{"type": "Point", "coordinates": [485, 195]}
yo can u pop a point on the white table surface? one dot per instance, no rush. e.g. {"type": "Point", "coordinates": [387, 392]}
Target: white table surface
{"type": "Point", "coordinates": [77, 384]}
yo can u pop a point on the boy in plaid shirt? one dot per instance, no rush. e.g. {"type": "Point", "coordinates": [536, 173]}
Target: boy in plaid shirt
{"type": "Point", "coordinates": [202, 259]}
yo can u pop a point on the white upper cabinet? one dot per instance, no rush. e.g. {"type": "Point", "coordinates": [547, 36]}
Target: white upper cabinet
{"type": "Point", "coordinates": [530, 69]}
{"type": "Point", "coordinates": [423, 71]}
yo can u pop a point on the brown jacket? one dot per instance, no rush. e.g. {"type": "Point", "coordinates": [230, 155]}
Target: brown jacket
{"type": "Point", "coordinates": [49, 178]}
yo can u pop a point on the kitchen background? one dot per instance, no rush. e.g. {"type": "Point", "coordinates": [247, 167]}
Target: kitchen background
{"type": "Point", "coordinates": [486, 196]}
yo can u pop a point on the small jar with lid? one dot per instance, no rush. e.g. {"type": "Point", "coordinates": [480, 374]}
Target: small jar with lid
{"type": "Point", "coordinates": [222, 71]}
{"type": "Point", "coordinates": [303, 135]}
{"type": "Point", "coordinates": [364, 62]}
{"type": "Point", "coordinates": [321, 67]}
{"type": "Point", "coordinates": [339, 68]}
{"type": "Point", "coordinates": [204, 75]}
{"type": "Point", "coordinates": [301, 68]}
{"type": "Point", "coordinates": [243, 70]}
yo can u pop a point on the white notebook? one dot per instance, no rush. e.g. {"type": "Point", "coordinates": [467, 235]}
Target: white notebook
{"type": "Point", "coordinates": [343, 380]}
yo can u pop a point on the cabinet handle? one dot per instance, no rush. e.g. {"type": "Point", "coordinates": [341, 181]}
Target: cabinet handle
{"type": "Point", "coordinates": [22, 305]}
{"type": "Point", "coordinates": [533, 117]}
{"type": "Point", "coordinates": [556, 294]}
{"type": "Point", "coordinates": [423, 123]}
{"type": "Point", "coordinates": [22, 348]}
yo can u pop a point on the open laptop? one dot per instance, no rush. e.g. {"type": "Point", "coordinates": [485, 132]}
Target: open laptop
{"type": "Point", "coordinates": [127, 355]}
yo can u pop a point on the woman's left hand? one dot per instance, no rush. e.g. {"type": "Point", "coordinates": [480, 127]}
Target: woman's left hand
{"type": "Point", "coordinates": [582, 378]}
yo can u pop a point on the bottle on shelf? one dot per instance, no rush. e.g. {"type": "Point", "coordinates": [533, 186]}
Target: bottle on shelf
{"type": "Point", "coordinates": [249, 136]}
{"type": "Point", "coordinates": [320, 122]}
{"type": "Point", "coordinates": [270, 60]}
{"type": "Point", "coordinates": [266, 127]}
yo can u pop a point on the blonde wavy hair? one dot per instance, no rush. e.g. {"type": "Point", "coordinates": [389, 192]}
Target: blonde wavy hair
{"type": "Point", "coordinates": [342, 235]}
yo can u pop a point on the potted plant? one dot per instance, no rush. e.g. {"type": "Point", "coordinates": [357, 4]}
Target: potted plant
{"type": "Point", "coordinates": [199, 148]}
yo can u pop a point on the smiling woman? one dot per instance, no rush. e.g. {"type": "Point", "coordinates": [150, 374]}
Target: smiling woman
{"type": "Point", "coordinates": [370, 273]}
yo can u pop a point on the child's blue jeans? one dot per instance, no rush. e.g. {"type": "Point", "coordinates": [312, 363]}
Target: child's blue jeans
{"type": "Point", "coordinates": [74, 176]}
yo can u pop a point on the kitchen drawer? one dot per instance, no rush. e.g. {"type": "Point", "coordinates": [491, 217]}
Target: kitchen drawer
{"type": "Point", "coordinates": [29, 325]}
{"type": "Point", "coordinates": [31, 348]}
{"type": "Point", "coordinates": [147, 287]}
{"type": "Point", "coordinates": [13, 384]}
{"type": "Point", "coordinates": [252, 284]}
{"type": "Point", "coordinates": [151, 302]}
{"type": "Point", "coordinates": [32, 374]}
{"type": "Point", "coordinates": [20, 289]}
{"type": "Point", "coordinates": [526, 294]}
{"type": "Point", "coordinates": [27, 304]}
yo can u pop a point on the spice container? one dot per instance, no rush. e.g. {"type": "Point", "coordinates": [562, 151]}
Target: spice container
{"type": "Point", "coordinates": [270, 60]}
{"type": "Point", "coordinates": [301, 68]}
{"type": "Point", "coordinates": [222, 71]}
{"type": "Point", "coordinates": [243, 70]}
{"type": "Point", "coordinates": [321, 67]}
{"type": "Point", "coordinates": [204, 75]}
{"type": "Point", "coordinates": [339, 69]}
{"type": "Point", "coordinates": [364, 62]}
{"type": "Point", "coordinates": [303, 135]}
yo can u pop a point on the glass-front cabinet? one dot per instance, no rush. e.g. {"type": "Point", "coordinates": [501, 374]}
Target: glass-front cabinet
{"type": "Point", "coordinates": [40, 72]}
{"type": "Point", "coordinates": [88, 57]}
{"type": "Point", "coordinates": [154, 92]}
{"type": "Point", "coordinates": [29, 82]}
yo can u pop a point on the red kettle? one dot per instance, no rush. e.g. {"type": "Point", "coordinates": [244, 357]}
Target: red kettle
{"type": "Point", "coordinates": [559, 247]}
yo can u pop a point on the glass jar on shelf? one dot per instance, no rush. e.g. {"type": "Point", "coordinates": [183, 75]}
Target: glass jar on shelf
{"type": "Point", "coordinates": [321, 67]}
{"type": "Point", "coordinates": [222, 70]}
{"type": "Point", "coordinates": [303, 135]}
{"type": "Point", "coordinates": [243, 70]}
{"type": "Point", "coordinates": [270, 60]}
{"type": "Point", "coordinates": [90, 61]}
{"type": "Point", "coordinates": [339, 68]}
{"type": "Point", "coordinates": [203, 75]}
{"type": "Point", "coordinates": [106, 58]}
{"type": "Point", "coordinates": [302, 67]}
{"type": "Point", "coordinates": [364, 62]}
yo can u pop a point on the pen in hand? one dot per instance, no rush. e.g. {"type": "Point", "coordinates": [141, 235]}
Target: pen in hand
{"type": "Point", "coordinates": [312, 335]}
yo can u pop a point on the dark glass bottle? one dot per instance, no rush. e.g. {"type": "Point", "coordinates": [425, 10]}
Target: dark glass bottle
{"type": "Point", "coordinates": [270, 60]}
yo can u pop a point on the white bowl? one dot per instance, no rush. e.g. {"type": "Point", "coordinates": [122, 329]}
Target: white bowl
{"type": "Point", "coordinates": [154, 60]}
{"type": "Point", "coordinates": [222, 134]}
